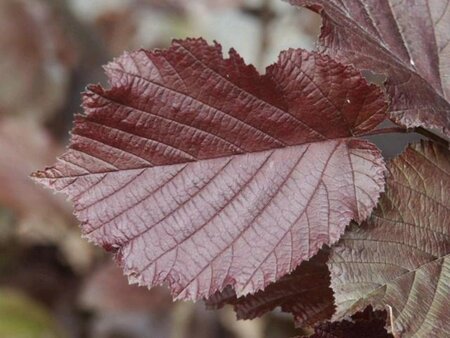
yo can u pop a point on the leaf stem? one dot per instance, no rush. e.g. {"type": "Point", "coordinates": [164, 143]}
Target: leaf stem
{"type": "Point", "coordinates": [432, 136]}
{"type": "Point", "coordinates": [387, 131]}
{"type": "Point", "coordinates": [391, 319]}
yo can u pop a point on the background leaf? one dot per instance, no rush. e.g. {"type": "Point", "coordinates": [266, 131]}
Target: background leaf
{"type": "Point", "coordinates": [409, 42]}
{"type": "Point", "coordinates": [200, 173]}
{"type": "Point", "coordinates": [367, 324]}
{"type": "Point", "coordinates": [401, 256]}
{"type": "Point", "coordinates": [305, 293]}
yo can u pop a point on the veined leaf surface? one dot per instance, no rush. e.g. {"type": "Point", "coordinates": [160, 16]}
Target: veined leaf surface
{"type": "Point", "coordinates": [407, 41]}
{"type": "Point", "coordinates": [200, 173]}
{"type": "Point", "coordinates": [401, 256]}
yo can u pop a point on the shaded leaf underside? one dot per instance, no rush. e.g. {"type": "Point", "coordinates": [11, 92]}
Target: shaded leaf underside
{"type": "Point", "coordinates": [200, 173]}
{"type": "Point", "coordinates": [367, 324]}
{"type": "Point", "coordinates": [408, 41]}
{"type": "Point", "coordinates": [401, 257]}
{"type": "Point", "coordinates": [305, 293]}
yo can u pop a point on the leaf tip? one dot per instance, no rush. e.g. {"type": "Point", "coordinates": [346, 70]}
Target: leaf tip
{"type": "Point", "coordinates": [39, 175]}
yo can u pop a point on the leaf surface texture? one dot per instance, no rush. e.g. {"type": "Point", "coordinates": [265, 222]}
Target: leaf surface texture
{"type": "Point", "coordinates": [407, 41]}
{"type": "Point", "coordinates": [305, 293]}
{"type": "Point", "coordinates": [367, 324]}
{"type": "Point", "coordinates": [200, 173]}
{"type": "Point", "coordinates": [401, 256]}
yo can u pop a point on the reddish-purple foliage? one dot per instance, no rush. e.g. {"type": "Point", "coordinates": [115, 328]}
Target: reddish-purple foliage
{"type": "Point", "coordinates": [190, 159]}
{"type": "Point", "coordinates": [408, 41]}
{"type": "Point", "coordinates": [305, 293]}
{"type": "Point", "coordinates": [202, 174]}
{"type": "Point", "coordinates": [409, 269]}
{"type": "Point", "coordinates": [367, 324]}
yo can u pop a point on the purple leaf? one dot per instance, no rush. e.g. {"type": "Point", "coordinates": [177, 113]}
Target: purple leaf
{"type": "Point", "coordinates": [400, 258]}
{"type": "Point", "coordinates": [200, 173]}
{"type": "Point", "coordinates": [305, 293]}
{"type": "Point", "coordinates": [408, 41]}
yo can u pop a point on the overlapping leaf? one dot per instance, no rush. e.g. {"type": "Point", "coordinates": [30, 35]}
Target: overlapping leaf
{"type": "Point", "coordinates": [401, 257]}
{"type": "Point", "coordinates": [408, 41]}
{"type": "Point", "coordinates": [305, 293]}
{"type": "Point", "coordinates": [367, 324]}
{"type": "Point", "coordinates": [200, 173]}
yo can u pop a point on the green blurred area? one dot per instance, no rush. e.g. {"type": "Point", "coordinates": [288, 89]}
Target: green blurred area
{"type": "Point", "coordinates": [21, 317]}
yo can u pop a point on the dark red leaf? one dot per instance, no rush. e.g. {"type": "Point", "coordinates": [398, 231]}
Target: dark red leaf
{"type": "Point", "coordinates": [400, 258]}
{"type": "Point", "coordinates": [201, 173]}
{"type": "Point", "coordinates": [305, 293]}
{"type": "Point", "coordinates": [367, 324]}
{"type": "Point", "coordinates": [408, 41]}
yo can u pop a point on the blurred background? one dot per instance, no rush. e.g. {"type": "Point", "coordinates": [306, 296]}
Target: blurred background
{"type": "Point", "coordinates": [52, 282]}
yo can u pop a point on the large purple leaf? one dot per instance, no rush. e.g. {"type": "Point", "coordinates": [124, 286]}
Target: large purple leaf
{"type": "Point", "coordinates": [408, 41]}
{"type": "Point", "coordinates": [200, 173]}
{"type": "Point", "coordinates": [401, 257]}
